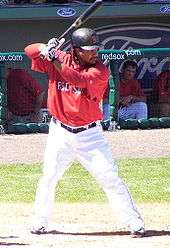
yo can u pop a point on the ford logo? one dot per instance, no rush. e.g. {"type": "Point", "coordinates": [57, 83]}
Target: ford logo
{"type": "Point", "coordinates": [165, 9]}
{"type": "Point", "coordinates": [66, 12]}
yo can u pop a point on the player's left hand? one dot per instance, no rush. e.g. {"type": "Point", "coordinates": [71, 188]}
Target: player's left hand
{"type": "Point", "coordinates": [51, 52]}
{"type": "Point", "coordinates": [55, 42]}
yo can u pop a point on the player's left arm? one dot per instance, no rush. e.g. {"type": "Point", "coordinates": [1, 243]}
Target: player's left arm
{"type": "Point", "coordinates": [95, 79]}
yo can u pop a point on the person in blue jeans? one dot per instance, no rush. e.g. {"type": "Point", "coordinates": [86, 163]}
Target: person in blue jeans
{"type": "Point", "coordinates": [106, 110]}
{"type": "Point", "coordinates": [132, 100]}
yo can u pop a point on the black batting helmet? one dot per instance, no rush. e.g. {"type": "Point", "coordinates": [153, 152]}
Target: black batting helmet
{"type": "Point", "coordinates": [85, 38]}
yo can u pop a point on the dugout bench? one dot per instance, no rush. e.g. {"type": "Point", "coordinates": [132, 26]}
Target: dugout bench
{"type": "Point", "coordinates": [115, 58]}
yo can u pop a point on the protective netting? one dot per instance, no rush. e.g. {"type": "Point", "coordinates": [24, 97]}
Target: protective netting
{"type": "Point", "coordinates": [18, 88]}
{"type": "Point", "coordinates": [153, 75]}
{"type": "Point", "coordinates": [153, 70]}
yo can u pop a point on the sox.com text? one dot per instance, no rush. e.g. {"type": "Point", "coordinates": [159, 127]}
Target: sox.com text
{"type": "Point", "coordinates": [11, 57]}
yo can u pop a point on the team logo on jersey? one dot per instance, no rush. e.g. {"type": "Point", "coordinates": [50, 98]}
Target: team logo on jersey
{"type": "Point", "coordinates": [63, 86]}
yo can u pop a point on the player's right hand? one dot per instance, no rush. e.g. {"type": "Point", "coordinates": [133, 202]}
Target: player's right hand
{"type": "Point", "coordinates": [47, 51]}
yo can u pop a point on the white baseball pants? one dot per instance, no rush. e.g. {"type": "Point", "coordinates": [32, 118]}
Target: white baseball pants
{"type": "Point", "coordinates": [91, 149]}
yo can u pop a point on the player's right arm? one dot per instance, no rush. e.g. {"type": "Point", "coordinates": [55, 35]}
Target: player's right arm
{"type": "Point", "coordinates": [33, 52]}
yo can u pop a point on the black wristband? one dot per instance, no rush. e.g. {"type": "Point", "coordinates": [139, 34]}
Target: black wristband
{"type": "Point", "coordinates": [53, 59]}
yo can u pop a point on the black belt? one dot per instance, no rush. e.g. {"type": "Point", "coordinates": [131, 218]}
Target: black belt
{"type": "Point", "coordinates": [76, 130]}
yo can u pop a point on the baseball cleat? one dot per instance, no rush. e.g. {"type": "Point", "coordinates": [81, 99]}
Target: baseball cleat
{"type": "Point", "coordinates": [139, 233]}
{"type": "Point", "coordinates": [38, 231]}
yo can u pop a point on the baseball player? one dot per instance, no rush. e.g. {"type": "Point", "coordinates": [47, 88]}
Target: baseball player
{"type": "Point", "coordinates": [132, 100]}
{"type": "Point", "coordinates": [77, 82]}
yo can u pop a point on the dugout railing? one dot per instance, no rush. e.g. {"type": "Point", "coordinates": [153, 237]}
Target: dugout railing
{"type": "Point", "coordinates": [113, 58]}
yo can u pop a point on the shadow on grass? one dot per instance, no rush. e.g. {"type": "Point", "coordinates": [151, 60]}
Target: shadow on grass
{"type": "Point", "coordinates": [149, 233]}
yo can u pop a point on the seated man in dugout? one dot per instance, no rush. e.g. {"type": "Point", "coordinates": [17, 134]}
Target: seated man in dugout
{"type": "Point", "coordinates": [163, 93]}
{"type": "Point", "coordinates": [24, 97]}
{"type": "Point", "coordinates": [132, 101]}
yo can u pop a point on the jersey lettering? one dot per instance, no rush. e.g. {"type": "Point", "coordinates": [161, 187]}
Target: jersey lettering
{"type": "Point", "coordinates": [63, 86]}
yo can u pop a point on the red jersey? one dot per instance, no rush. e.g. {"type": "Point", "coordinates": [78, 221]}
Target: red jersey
{"type": "Point", "coordinates": [130, 88]}
{"type": "Point", "coordinates": [164, 84]}
{"type": "Point", "coordinates": [22, 92]}
{"type": "Point", "coordinates": [74, 94]}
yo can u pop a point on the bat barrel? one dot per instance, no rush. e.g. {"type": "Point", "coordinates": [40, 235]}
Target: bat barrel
{"type": "Point", "coordinates": [82, 18]}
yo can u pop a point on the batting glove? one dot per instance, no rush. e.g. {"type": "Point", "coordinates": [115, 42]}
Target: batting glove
{"type": "Point", "coordinates": [55, 42]}
{"type": "Point", "coordinates": [51, 52]}
{"type": "Point", "coordinates": [47, 52]}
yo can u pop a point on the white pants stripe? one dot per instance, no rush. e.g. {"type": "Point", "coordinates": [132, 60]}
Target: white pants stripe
{"type": "Point", "coordinates": [91, 149]}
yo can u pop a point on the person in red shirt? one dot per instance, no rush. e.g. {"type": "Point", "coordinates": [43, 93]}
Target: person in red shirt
{"type": "Point", "coordinates": [132, 101]}
{"type": "Point", "coordinates": [163, 88]}
{"type": "Point", "coordinates": [25, 96]}
{"type": "Point", "coordinates": [77, 82]}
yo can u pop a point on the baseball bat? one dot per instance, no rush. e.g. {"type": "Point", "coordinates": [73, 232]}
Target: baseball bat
{"type": "Point", "coordinates": [82, 18]}
{"type": "Point", "coordinates": [77, 23]}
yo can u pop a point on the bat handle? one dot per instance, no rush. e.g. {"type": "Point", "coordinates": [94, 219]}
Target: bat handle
{"type": "Point", "coordinates": [60, 42]}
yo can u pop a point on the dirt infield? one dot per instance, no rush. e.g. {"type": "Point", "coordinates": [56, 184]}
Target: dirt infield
{"type": "Point", "coordinates": [124, 144]}
{"type": "Point", "coordinates": [85, 225]}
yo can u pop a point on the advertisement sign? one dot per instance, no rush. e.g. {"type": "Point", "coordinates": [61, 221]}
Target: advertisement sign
{"type": "Point", "coordinates": [132, 36]}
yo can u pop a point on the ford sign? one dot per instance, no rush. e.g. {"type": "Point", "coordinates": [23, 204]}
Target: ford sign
{"type": "Point", "coordinates": [66, 12]}
{"type": "Point", "coordinates": [165, 9]}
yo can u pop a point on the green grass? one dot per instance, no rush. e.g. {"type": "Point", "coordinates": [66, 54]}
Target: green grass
{"type": "Point", "coordinates": [147, 179]}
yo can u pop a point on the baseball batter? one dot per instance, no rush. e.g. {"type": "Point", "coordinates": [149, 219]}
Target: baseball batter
{"type": "Point", "coordinates": [77, 82]}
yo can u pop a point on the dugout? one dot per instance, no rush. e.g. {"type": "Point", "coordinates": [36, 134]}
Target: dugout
{"type": "Point", "coordinates": [114, 58]}
{"type": "Point", "coordinates": [18, 60]}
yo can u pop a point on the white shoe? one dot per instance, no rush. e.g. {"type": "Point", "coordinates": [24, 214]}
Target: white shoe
{"type": "Point", "coordinates": [39, 226]}
{"type": "Point", "coordinates": [40, 230]}
{"type": "Point", "coordinates": [138, 233]}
